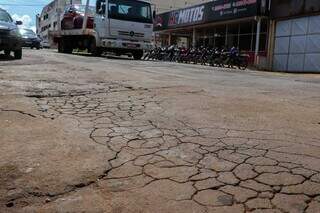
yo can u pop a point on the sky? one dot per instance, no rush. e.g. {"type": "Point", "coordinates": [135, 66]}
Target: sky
{"type": "Point", "coordinates": [26, 10]}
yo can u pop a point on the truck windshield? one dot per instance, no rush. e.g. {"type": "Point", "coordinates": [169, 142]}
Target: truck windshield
{"type": "Point", "coordinates": [4, 16]}
{"type": "Point", "coordinates": [129, 10]}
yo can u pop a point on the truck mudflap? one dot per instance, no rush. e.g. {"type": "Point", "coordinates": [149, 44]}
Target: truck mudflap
{"type": "Point", "coordinates": [125, 44]}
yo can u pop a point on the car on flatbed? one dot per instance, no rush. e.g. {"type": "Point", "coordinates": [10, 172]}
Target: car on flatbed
{"type": "Point", "coordinates": [10, 38]}
{"type": "Point", "coordinates": [73, 17]}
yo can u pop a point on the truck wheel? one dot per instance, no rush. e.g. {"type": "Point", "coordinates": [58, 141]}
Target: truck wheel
{"type": "Point", "coordinates": [138, 55]}
{"type": "Point", "coordinates": [59, 47]}
{"type": "Point", "coordinates": [7, 53]}
{"type": "Point", "coordinates": [95, 51]}
{"type": "Point", "coordinates": [63, 47]}
{"type": "Point", "coordinates": [18, 54]}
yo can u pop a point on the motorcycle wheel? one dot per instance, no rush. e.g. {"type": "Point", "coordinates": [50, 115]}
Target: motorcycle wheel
{"type": "Point", "coordinates": [243, 65]}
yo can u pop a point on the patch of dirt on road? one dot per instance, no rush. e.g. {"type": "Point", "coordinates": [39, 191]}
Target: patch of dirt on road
{"type": "Point", "coordinates": [8, 173]}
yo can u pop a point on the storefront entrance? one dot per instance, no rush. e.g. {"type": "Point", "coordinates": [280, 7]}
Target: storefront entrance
{"type": "Point", "coordinates": [219, 24]}
{"type": "Point", "coordinates": [241, 35]}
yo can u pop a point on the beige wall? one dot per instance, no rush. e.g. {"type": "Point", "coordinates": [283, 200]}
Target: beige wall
{"type": "Point", "coordinates": [166, 5]}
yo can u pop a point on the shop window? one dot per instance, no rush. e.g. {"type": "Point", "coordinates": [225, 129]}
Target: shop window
{"type": "Point", "coordinates": [220, 36]}
{"type": "Point", "coordinates": [263, 42]}
{"type": "Point", "coordinates": [182, 41]}
{"type": "Point", "coordinates": [211, 33]}
{"type": "Point", "coordinates": [206, 42]}
{"type": "Point", "coordinates": [245, 42]}
{"type": "Point", "coordinates": [220, 41]}
{"type": "Point", "coordinates": [232, 41]}
{"type": "Point", "coordinates": [246, 28]}
{"type": "Point", "coordinates": [264, 25]}
{"type": "Point", "coordinates": [233, 29]}
{"type": "Point", "coordinates": [263, 28]}
{"type": "Point", "coordinates": [221, 30]}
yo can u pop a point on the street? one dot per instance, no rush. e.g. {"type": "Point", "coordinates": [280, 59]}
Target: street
{"type": "Point", "coordinates": [96, 134]}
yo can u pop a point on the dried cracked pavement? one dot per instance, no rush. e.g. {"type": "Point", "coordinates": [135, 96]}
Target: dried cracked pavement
{"type": "Point", "coordinates": [85, 134]}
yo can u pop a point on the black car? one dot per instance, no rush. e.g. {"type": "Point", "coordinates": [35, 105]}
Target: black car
{"type": "Point", "coordinates": [10, 38]}
{"type": "Point", "coordinates": [30, 39]}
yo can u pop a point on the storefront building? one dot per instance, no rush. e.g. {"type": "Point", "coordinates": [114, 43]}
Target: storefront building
{"type": "Point", "coordinates": [221, 23]}
{"type": "Point", "coordinates": [296, 35]}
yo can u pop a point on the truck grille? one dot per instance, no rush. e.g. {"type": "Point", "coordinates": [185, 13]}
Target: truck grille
{"type": "Point", "coordinates": [132, 34]}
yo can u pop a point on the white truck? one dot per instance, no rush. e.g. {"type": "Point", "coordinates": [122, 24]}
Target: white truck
{"type": "Point", "coordinates": [123, 27]}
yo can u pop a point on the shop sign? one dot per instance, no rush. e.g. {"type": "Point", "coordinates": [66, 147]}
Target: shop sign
{"type": "Point", "coordinates": [215, 10]}
{"type": "Point", "coordinates": [232, 9]}
{"type": "Point", "coordinates": [186, 16]}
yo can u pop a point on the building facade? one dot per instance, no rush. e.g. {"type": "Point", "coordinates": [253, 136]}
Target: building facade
{"type": "Point", "coordinates": [47, 21]}
{"type": "Point", "coordinates": [279, 35]}
{"type": "Point", "coordinates": [219, 23]}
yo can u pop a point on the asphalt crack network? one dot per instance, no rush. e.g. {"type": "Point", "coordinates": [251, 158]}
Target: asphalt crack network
{"type": "Point", "coordinates": [218, 167]}
{"type": "Point", "coordinates": [18, 111]}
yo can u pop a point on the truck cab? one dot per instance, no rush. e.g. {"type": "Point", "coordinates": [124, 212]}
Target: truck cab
{"type": "Point", "coordinates": [124, 26]}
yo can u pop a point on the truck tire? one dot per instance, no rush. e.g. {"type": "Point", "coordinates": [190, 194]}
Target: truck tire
{"type": "Point", "coordinates": [64, 47]}
{"type": "Point", "coordinates": [7, 53]}
{"type": "Point", "coordinates": [18, 54]}
{"type": "Point", "coordinates": [137, 55]}
{"type": "Point", "coordinates": [95, 51]}
{"type": "Point", "coordinates": [60, 49]}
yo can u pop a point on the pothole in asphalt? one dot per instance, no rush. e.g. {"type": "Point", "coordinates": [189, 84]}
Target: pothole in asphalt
{"type": "Point", "coordinates": [9, 205]}
{"type": "Point", "coordinates": [44, 96]}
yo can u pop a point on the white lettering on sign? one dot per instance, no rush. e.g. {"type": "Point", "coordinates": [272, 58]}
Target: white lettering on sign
{"type": "Point", "coordinates": [190, 15]}
{"type": "Point", "coordinates": [244, 3]}
{"type": "Point", "coordinates": [222, 7]}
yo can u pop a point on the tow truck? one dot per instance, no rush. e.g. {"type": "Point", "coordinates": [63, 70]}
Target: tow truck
{"type": "Point", "coordinates": [123, 27]}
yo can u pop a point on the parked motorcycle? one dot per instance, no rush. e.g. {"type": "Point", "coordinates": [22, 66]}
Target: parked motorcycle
{"type": "Point", "coordinates": [202, 55]}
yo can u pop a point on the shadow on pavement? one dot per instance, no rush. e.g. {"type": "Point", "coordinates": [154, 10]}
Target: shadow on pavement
{"type": "Point", "coordinates": [4, 57]}
{"type": "Point", "coordinates": [103, 56]}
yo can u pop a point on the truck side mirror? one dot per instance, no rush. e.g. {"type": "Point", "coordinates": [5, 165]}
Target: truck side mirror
{"type": "Point", "coordinates": [19, 23]}
{"type": "Point", "coordinates": [154, 14]}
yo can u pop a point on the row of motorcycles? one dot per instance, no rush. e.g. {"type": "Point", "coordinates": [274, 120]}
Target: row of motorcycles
{"type": "Point", "coordinates": [219, 57]}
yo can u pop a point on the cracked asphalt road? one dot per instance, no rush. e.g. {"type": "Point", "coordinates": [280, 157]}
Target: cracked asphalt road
{"type": "Point", "coordinates": [85, 134]}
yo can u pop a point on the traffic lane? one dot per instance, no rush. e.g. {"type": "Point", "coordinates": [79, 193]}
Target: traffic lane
{"type": "Point", "coordinates": [168, 145]}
